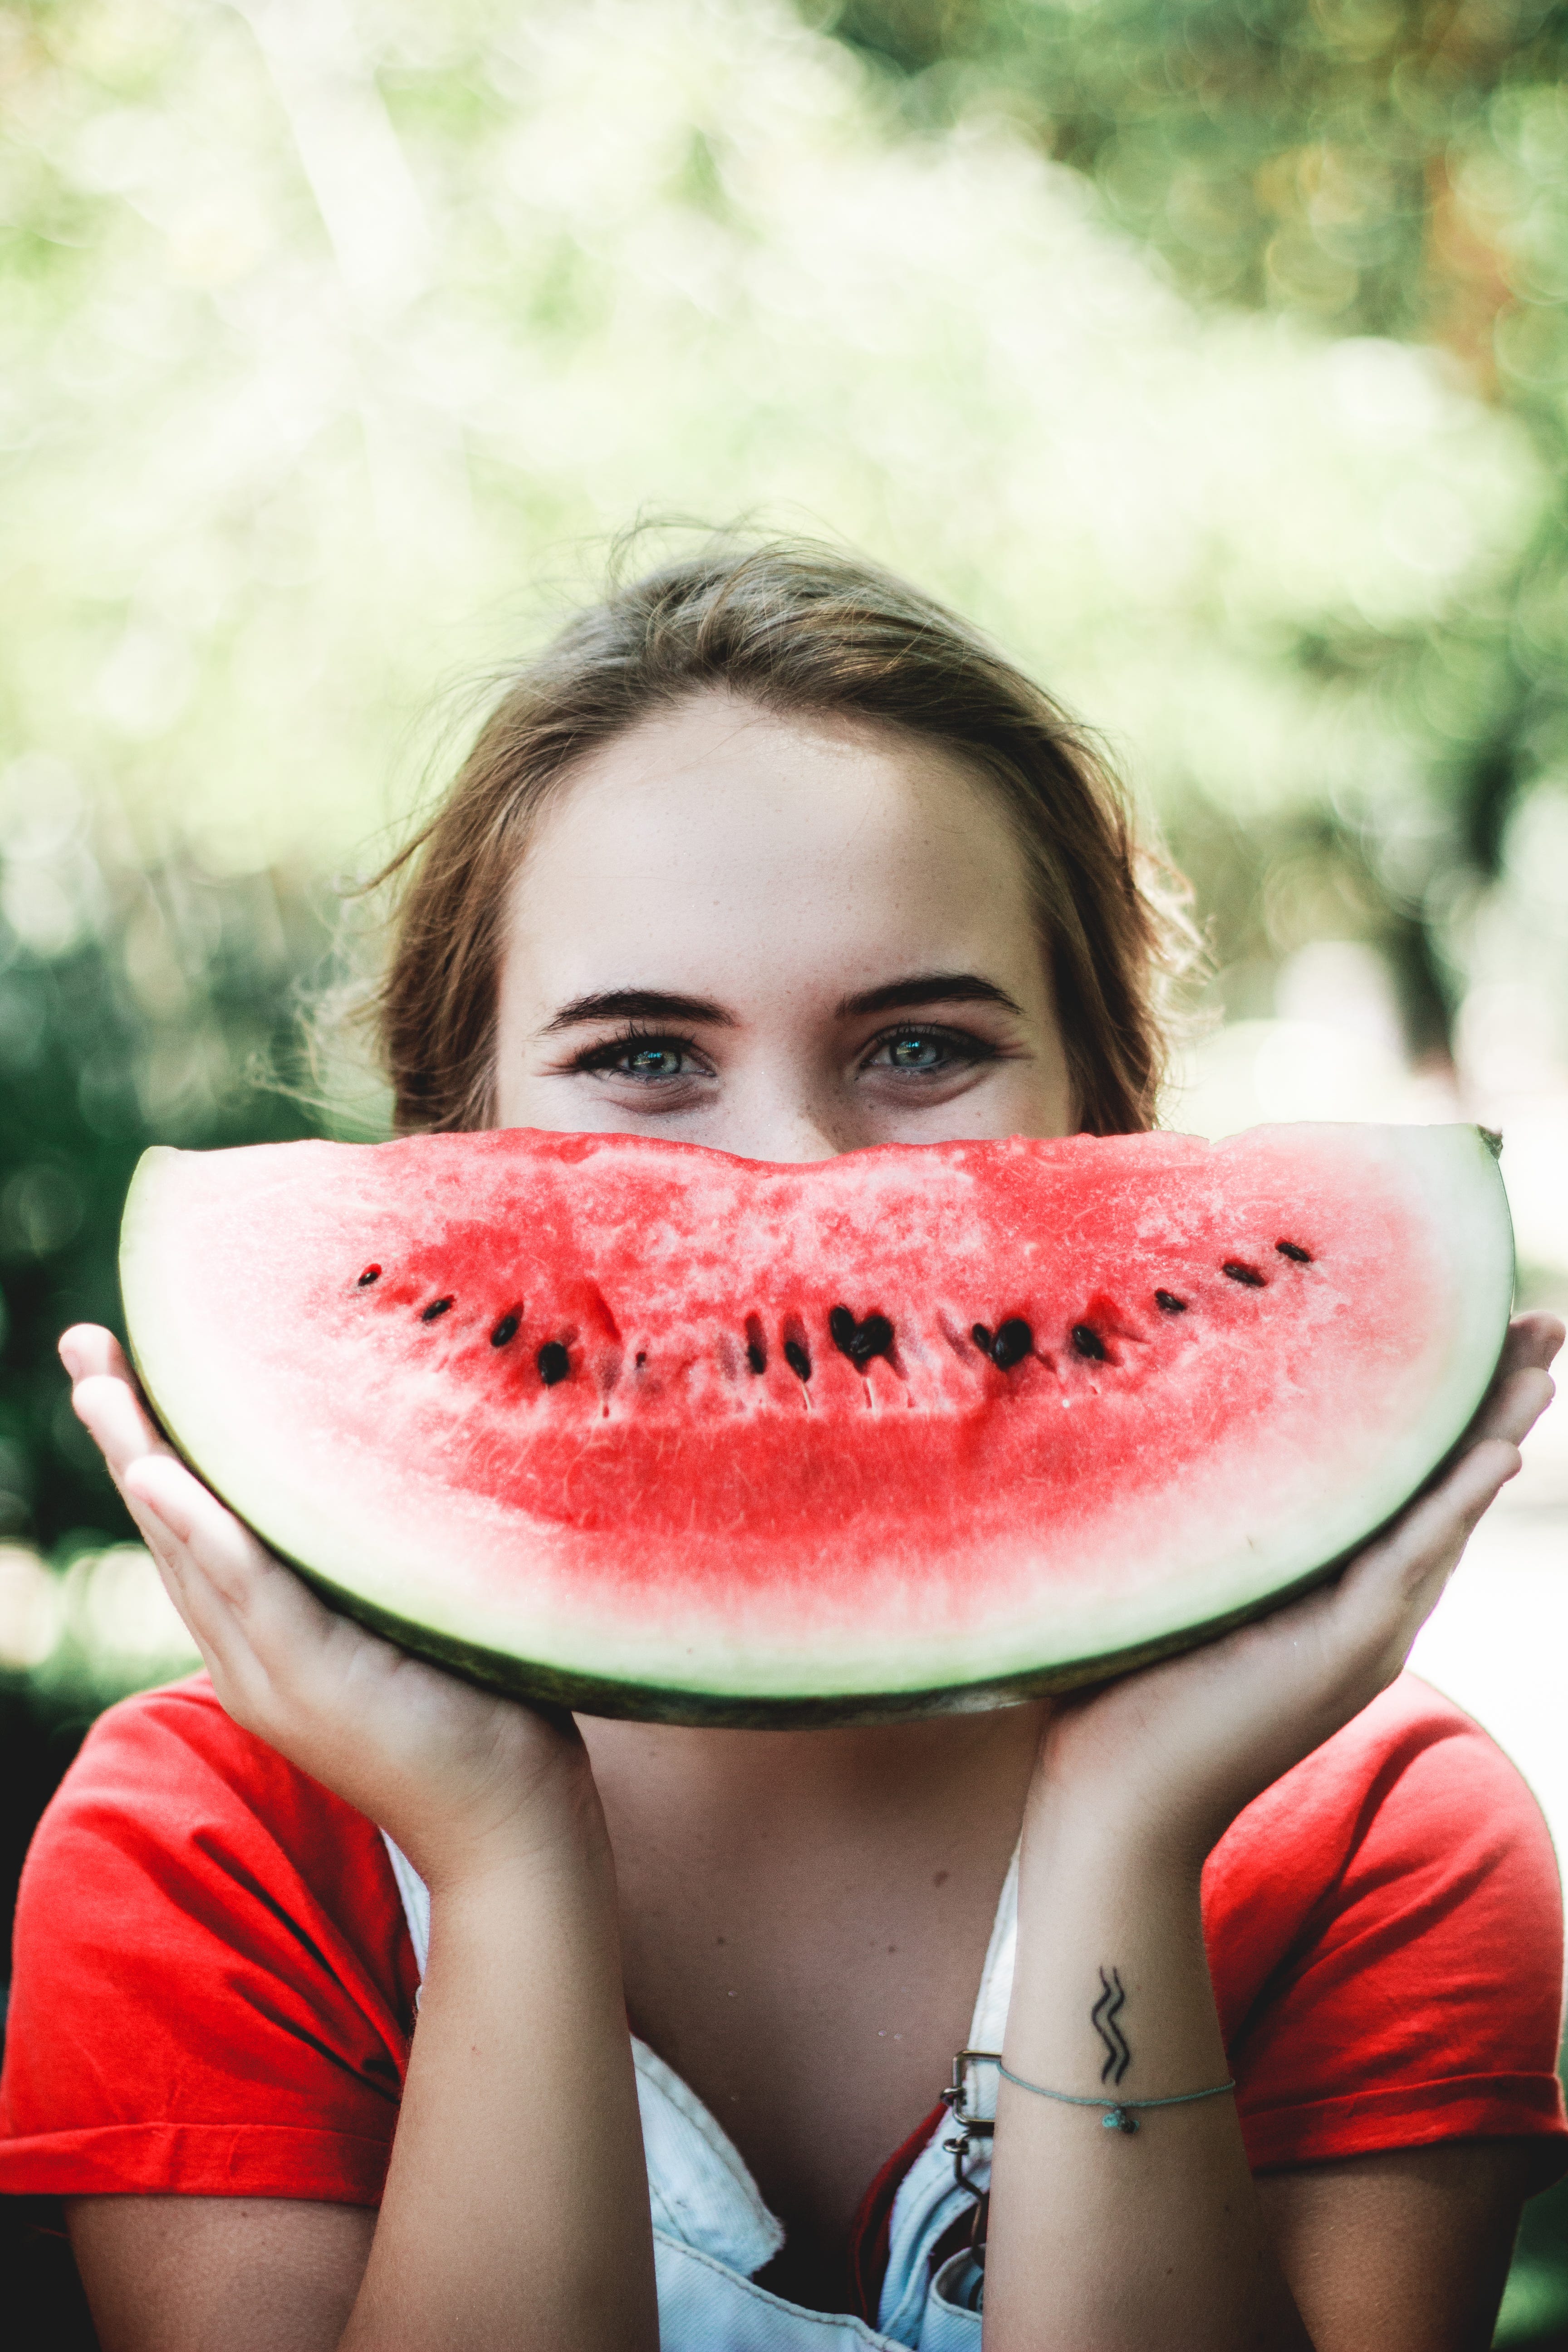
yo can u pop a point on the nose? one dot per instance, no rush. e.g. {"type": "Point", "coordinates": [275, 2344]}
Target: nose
{"type": "Point", "coordinates": [793, 1144]}
{"type": "Point", "coordinates": [789, 1126]}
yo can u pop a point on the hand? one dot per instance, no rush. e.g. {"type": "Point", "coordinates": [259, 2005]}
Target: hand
{"type": "Point", "coordinates": [1174, 1752]}
{"type": "Point", "coordinates": [455, 1775]}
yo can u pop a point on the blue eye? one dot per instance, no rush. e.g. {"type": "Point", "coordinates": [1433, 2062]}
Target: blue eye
{"type": "Point", "coordinates": [926, 1053]}
{"type": "Point", "coordinates": [915, 1052]}
{"type": "Point", "coordinates": [653, 1062]}
{"type": "Point", "coordinates": [650, 1060]}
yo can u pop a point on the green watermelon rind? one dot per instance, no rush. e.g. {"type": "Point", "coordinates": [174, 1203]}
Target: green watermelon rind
{"type": "Point", "coordinates": [699, 1700]}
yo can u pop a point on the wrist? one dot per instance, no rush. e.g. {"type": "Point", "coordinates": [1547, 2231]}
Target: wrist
{"type": "Point", "coordinates": [551, 1828]}
{"type": "Point", "coordinates": [1083, 1829]}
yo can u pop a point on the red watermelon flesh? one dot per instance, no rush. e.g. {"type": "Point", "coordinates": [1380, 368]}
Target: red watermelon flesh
{"type": "Point", "coordinates": [661, 1431]}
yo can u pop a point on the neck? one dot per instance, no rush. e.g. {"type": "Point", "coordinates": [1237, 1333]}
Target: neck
{"type": "Point", "coordinates": [724, 1790]}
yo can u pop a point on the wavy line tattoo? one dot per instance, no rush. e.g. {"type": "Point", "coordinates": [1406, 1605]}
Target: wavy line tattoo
{"type": "Point", "coordinates": [1103, 2017]}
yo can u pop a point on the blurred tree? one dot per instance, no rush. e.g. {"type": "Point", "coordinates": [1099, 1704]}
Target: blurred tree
{"type": "Point", "coordinates": [1394, 168]}
{"type": "Point", "coordinates": [159, 1019]}
{"type": "Point", "coordinates": [1336, 157]}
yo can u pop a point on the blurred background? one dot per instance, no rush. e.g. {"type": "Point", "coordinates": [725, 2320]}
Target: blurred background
{"type": "Point", "coordinates": [1214, 353]}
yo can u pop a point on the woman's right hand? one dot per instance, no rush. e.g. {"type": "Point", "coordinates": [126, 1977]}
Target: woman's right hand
{"type": "Point", "coordinates": [494, 2228]}
{"type": "Point", "coordinates": [458, 1776]}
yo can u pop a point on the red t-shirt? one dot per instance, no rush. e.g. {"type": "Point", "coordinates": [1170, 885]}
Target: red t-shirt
{"type": "Point", "coordinates": [214, 1986]}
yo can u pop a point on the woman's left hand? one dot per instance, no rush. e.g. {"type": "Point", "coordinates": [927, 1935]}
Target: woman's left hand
{"type": "Point", "coordinates": [1173, 1753]}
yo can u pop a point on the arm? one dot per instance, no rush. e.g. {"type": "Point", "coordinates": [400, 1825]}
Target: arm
{"type": "Point", "coordinates": [498, 2226]}
{"type": "Point", "coordinates": [1120, 2240]}
{"type": "Point", "coordinates": [1409, 2248]}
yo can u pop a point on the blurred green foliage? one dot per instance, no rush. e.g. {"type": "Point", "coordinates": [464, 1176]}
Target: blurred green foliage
{"type": "Point", "coordinates": [1389, 168]}
{"type": "Point", "coordinates": [166, 1019]}
{"type": "Point", "coordinates": [1385, 166]}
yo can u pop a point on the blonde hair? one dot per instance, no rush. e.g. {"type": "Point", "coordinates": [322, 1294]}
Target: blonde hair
{"type": "Point", "coordinates": [793, 627]}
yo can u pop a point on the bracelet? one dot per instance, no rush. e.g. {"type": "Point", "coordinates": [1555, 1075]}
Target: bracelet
{"type": "Point", "coordinates": [1119, 2116]}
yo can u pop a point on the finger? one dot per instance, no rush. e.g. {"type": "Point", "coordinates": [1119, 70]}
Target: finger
{"type": "Point", "coordinates": [88, 1348]}
{"type": "Point", "coordinates": [1515, 1404]}
{"type": "Point", "coordinates": [282, 1622]}
{"type": "Point", "coordinates": [168, 1522]}
{"type": "Point", "coordinates": [1534, 1338]}
{"type": "Point", "coordinates": [1398, 1581]}
{"type": "Point", "coordinates": [278, 1655]}
{"type": "Point", "coordinates": [217, 1545]}
{"type": "Point", "coordinates": [1530, 1343]}
{"type": "Point", "coordinates": [110, 1412]}
{"type": "Point", "coordinates": [203, 1614]}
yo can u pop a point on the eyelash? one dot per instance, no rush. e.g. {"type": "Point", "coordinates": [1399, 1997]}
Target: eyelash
{"type": "Point", "coordinates": [963, 1042]}
{"type": "Point", "coordinates": [605, 1055]}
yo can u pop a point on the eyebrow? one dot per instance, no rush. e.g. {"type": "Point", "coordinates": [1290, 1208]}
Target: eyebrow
{"type": "Point", "coordinates": [896, 996]}
{"type": "Point", "coordinates": [930, 988]}
{"type": "Point", "coordinates": [637, 1004]}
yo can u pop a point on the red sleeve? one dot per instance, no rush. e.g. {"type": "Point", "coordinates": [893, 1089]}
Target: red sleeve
{"type": "Point", "coordinates": [213, 1982]}
{"type": "Point", "coordinates": [1385, 1933]}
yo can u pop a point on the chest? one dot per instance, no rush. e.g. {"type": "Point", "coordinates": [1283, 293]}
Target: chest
{"type": "Point", "coordinates": [815, 2007]}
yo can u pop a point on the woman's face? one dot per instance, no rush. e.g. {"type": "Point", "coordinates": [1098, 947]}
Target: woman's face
{"type": "Point", "coordinates": [784, 938]}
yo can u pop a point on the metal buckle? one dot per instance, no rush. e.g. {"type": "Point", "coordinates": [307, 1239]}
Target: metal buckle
{"type": "Point", "coordinates": [970, 2126]}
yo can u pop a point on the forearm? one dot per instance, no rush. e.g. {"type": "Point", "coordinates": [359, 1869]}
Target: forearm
{"type": "Point", "coordinates": [516, 2210]}
{"type": "Point", "coordinates": [1103, 2240]}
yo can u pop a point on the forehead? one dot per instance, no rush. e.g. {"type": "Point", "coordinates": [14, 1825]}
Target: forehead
{"type": "Point", "coordinates": [718, 834]}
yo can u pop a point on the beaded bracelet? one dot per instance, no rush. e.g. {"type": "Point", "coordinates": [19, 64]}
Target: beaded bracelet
{"type": "Point", "coordinates": [1119, 2116]}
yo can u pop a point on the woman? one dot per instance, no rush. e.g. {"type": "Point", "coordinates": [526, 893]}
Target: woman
{"type": "Point", "coordinates": [771, 854]}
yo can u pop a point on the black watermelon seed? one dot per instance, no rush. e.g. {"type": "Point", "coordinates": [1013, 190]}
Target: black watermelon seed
{"type": "Point", "coordinates": [859, 1341]}
{"type": "Point", "coordinates": [757, 1344]}
{"type": "Point", "coordinates": [1247, 1274]}
{"type": "Point", "coordinates": [437, 1307]}
{"type": "Point", "coordinates": [1169, 1304]}
{"type": "Point", "coordinates": [642, 1358]}
{"type": "Point", "coordinates": [983, 1340]}
{"type": "Point", "coordinates": [797, 1359]}
{"type": "Point", "coordinates": [1295, 1252]}
{"type": "Point", "coordinates": [1087, 1342]}
{"type": "Point", "coordinates": [554, 1362]}
{"type": "Point", "coordinates": [371, 1274]}
{"type": "Point", "coordinates": [1012, 1342]}
{"type": "Point", "coordinates": [505, 1329]}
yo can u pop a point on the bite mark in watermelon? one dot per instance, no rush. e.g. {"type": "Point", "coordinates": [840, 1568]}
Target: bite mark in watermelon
{"type": "Point", "coordinates": [656, 1431]}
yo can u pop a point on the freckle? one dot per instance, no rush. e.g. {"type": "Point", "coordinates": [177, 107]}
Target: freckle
{"type": "Point", "coordinates": [892, 1948]}
{"type": "Point", "coordinates": [717, 1940]}
{"type": "Point", "coordinates": [940, 1879]}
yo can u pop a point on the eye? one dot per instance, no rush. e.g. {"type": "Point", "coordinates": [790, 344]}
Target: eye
{"type": "Point", "coordinates": [653, 1062]}
{"type": "Point", "coordinates": [926, 1053]}
{"type": "Point", "coordinates": [649, 1060]}
{"type": "Point", "coordinates": [915, 1053]}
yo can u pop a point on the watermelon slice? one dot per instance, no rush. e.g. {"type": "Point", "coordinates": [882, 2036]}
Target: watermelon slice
{"type": "Point", "coordinates": [656, 1431]}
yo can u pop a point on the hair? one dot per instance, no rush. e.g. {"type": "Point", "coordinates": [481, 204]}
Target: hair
{"type": "Point", "coordinates": [795, 628]}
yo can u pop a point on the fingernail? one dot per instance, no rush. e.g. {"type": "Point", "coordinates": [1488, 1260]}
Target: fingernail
{"type": "Point", "coordinates": [72, 1361]}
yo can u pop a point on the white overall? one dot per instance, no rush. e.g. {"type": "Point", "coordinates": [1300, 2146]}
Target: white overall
{"type": "Point", "coordinates": [711, 2231]}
